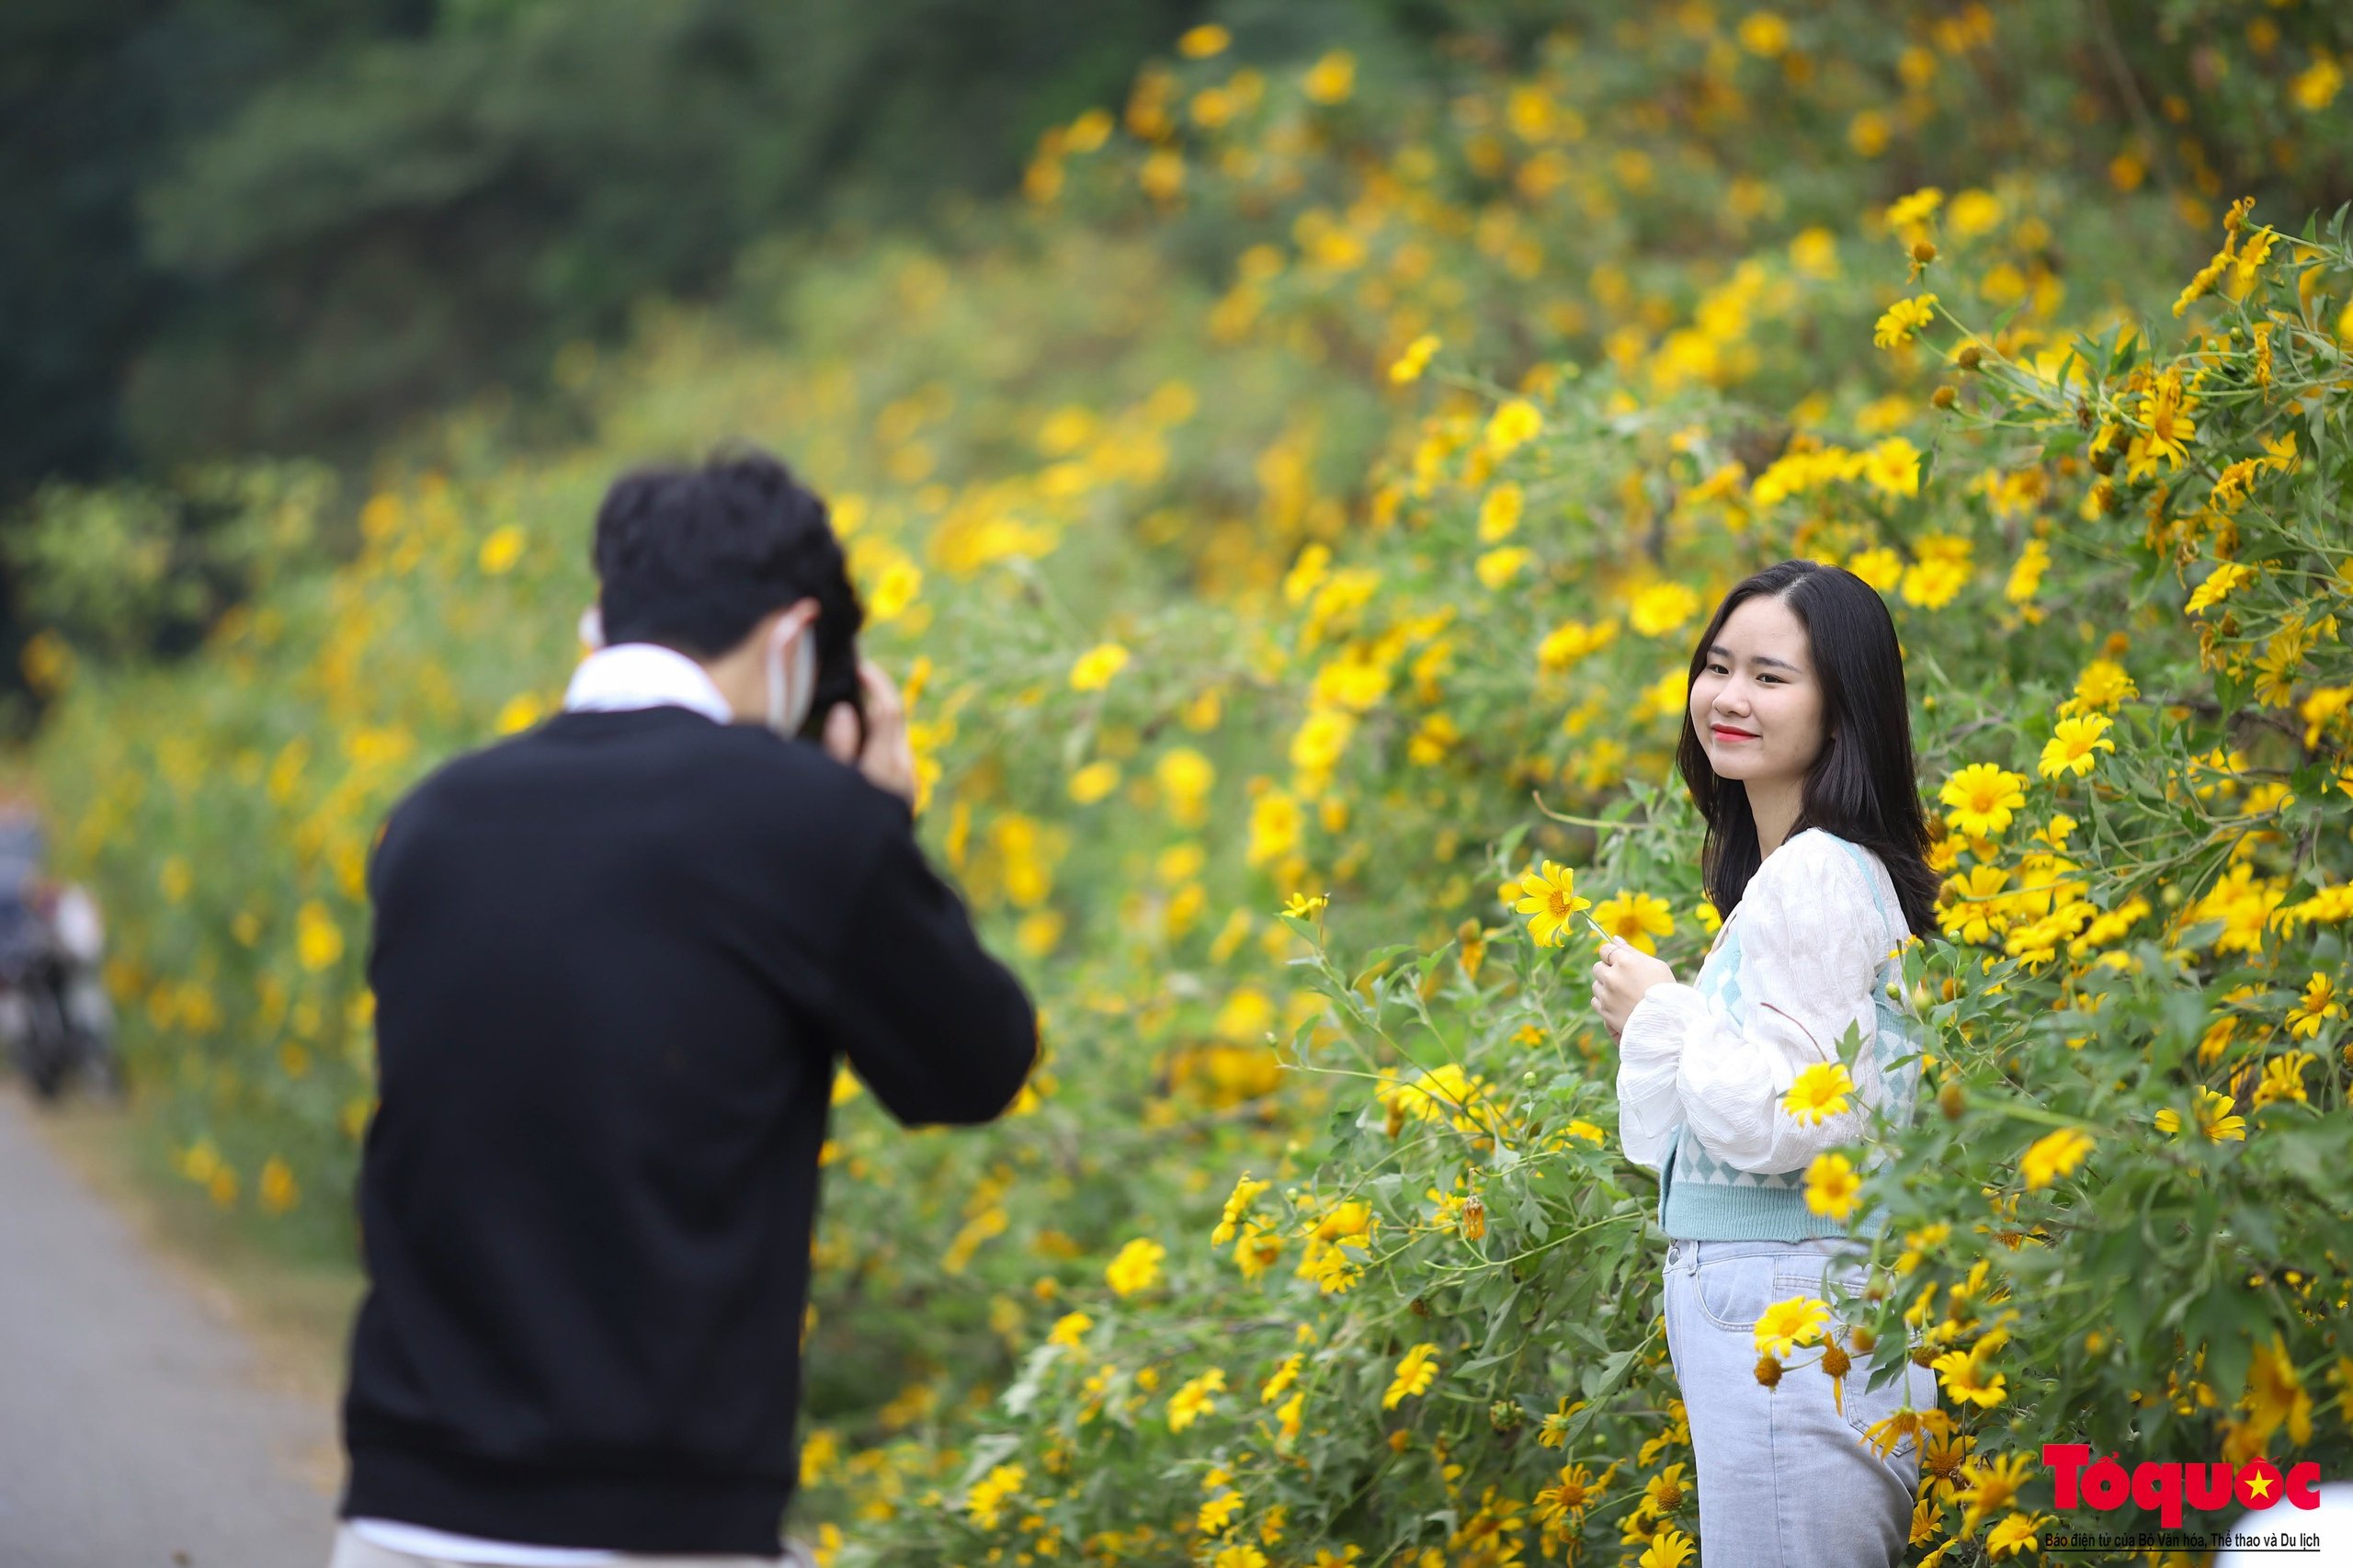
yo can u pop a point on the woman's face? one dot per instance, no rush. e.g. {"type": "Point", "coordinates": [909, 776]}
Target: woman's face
{"type": "Point", "coordinates": [1756, 706]}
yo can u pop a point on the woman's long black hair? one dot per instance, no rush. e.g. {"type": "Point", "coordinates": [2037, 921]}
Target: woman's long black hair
{"type": "Point", "coordinates": [1863, 787]}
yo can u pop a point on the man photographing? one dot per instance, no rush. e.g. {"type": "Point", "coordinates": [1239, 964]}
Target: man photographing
{"type": "Point", "coordinates": [616, 961]}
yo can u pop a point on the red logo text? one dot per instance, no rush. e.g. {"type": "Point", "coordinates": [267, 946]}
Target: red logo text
{"type": "Point", "coordinates": [2079, 1481]}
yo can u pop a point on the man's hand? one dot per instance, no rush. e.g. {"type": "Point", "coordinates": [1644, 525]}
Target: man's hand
{"type": "Point", "coordinates": [888, 762]}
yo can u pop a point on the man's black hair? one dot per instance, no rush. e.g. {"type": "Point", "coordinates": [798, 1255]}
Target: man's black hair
{"type": "Point", "coordinates": [692, 559]}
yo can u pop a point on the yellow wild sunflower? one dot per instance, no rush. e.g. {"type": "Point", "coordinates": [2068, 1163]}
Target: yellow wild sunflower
{"type": "Point", "coordinates": [2320, 1002]}
{"type": "Point", "coordinates": [2166, 410]}
{"type": "Point", "coordinates": [1635, 916]}
{"type": "Point", "coordinates": [1819, 1094]}
{"type": "Point", "coordinates": [1787, 1325]}
{"type": "Point", "coordinates": [2073, 745]}
{"type": "Point", "coordinates": [1415, 1371]}
{"type": "Point", "coordinates": [1135, 1267]}
{"type": "Point", "coordinates": [1409, 365]}
{"type": "Point", "coordinates": [2214, 1119]}
{"type": "Point", "coordinates": [1981, 797]}
{"type": "Point", "coordinates": [1903, 321]}
{"type": "Point", "coordinates": [1668, 1548]}
{"type": "Point", "coordinates": [1549, 898]}
{"type": "Point", "coordinates": [1966, 1378]}
{"type": "Point", "coordinates": [1990, 1486]}
{"type": "Point", "coordinates": [2053, 1155]}
{"type": "Point", "coordinates": [1832, 1187]}
{"type": "Point", "coordinates": [2016, 1536]}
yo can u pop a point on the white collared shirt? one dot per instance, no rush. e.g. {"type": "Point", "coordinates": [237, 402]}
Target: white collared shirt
{"type": "Point", "coordinates": [440, 1546]}
{"type": "Point", "coordinates": [418, 1541]}
{"type": "Point", "coordinates": [625, 675]}
{"type": "Point", "coordinates": [644, 675]}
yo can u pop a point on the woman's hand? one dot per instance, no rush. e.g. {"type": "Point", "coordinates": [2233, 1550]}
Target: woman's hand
{"type": "Point", "coordinates": [1621, 975]}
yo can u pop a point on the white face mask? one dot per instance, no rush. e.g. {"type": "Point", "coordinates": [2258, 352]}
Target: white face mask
{"type": "Point", "coordinates": [790, 699]}
{"type": "Point", "coordinates": [791, 695]}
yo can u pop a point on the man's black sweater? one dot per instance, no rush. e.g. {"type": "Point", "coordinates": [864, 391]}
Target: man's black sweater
{"type": "Point", "coordinates": [616, 961]}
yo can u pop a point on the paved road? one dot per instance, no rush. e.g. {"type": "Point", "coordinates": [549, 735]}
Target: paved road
{"type": "Point", "coordinates": [131, 1432]}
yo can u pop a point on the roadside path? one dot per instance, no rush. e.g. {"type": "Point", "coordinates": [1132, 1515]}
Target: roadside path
{"type": "Point", "coordinates": [133, 1433]}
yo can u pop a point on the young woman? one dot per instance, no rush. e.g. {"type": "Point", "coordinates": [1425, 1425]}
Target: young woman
{"type": "Point", "coordinates": [1797, 750]}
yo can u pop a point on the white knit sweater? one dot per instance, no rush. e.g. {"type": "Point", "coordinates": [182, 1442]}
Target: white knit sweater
{"type": "Point", "coordinates": [1809, 950]}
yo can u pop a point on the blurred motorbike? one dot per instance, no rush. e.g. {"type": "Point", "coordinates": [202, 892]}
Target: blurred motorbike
{"type": "Point", "coordinates": [54, 1017]}
{"type": "Point", "coordinates": [53, 1007]}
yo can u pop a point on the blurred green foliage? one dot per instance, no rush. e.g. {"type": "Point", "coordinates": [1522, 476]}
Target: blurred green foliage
{"type": "Point", "coordinates": [293, 225]}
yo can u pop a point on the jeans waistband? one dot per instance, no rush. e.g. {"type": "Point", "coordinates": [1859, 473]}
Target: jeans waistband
{"type": "Point", "coordinates": [1691, 1254]}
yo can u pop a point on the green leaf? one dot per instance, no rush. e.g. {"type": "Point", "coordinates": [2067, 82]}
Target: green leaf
{"type": "Point", "coordinates": [987, 1451]}
{"type": "Point", "coordinates": [1374, 960]}
{"type": "Point", "coordinates": [1606, 1379]}
{"type": "Point", "coordinates": [1019, 1398]}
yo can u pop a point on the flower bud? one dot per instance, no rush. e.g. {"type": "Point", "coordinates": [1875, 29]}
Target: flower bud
{"type": "Point", "coordinates": [1923, 252]}
{"type": "Point", "coordinates": [1863, 1339]}
{"type": "Point", "coordinates": [1970, 357]}
{"type": "Point", "coordinates": [1943, 397]}
{"type": "Point", "coordinates": [1505, 1415]}
{"type": "Point", "coordinates": [1769, 1372]}
{"type": "Point", "coordinates": [1950, 1099]}
{"type": "Point", "coordinates": [1474, 1220]}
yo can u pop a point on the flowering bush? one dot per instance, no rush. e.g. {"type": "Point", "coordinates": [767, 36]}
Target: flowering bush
{"type": "Point", "coordinates": [2134, 1037]}
{"type": "Point", "coordinates": [1296, 663]}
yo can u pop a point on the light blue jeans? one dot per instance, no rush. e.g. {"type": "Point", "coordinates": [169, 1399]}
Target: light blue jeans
{"type": "Point", "coordinates": [1784, 1477]}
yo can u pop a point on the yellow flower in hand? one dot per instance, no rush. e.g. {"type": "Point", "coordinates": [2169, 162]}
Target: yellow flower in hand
{"type": "Point", "coordinates": [1548, 896]}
